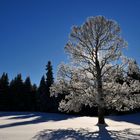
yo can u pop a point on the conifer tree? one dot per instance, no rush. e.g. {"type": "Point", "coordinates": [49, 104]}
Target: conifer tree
{"type": "Point", "coordinates": [51, 101]}
{"type": "Point", "coordinates": [28, 84]}
{"type": "Point", "coordinates": [42, 96]}
{"type": "Point", "coordinates": [27, 95]}
{"type": "Point", "coordinates": [4, 82]}
{"type": "Point", "coordinates": [16, 88]}
{"type": "Point", "coordinates": [4, 92]}
{"type": "Point", "coordinates": [49, 76]}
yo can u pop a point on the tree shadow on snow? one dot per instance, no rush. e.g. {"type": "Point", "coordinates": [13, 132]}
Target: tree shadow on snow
{"type": "Point", "coordinates": [85, 134]}
{"type": "Point", "coordinates": [34, 118]}
{"type": "Point", "coordinates": [130, 118]}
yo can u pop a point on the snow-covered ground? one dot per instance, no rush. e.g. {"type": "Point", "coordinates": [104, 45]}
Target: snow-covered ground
{"type": "Point", "coordinates": [49, 126]}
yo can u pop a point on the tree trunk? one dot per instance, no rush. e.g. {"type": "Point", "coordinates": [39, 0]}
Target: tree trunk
{"type": "Point", "coordinates": [100, 104]}
{"type": "Point", "coordinates": [100, 99]}
{"type": "Point", "coordinates": [101, 119]}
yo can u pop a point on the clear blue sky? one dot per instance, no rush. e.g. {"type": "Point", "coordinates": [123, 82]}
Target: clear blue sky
{"type": "Point", "coordinates": [35, 31]}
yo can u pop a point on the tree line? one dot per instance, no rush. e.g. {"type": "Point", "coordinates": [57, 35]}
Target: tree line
{"type": "Point", "coordinates": [19, 95]}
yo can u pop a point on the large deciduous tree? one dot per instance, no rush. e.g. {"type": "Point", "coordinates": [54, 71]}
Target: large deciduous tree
{"type": "Point", "coordinates": [95, 52]}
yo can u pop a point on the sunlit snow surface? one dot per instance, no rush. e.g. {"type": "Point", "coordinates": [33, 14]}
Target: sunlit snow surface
{"type": "Point", "coordinates": [47, 126]}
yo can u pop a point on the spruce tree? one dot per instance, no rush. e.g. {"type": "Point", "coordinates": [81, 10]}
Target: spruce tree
{"type": "Point", "coordinates": [51, 101]}
{"type": "Point", "coordinates": [27, 95]}
{"type": "Point", "coordinates": [16, 88]}
{"type": "Point", "coordinates": [34, 97]}
{"type": "Point", "coordinates": [4, 92]}
{"type": "Point", "coordinates": [44, 101]}
{"type": "Point", "coordinates": [28, 84]}
{"type": "Point", "coordinates": [49, 75]}
{"type": "Point", "coordinates": [42, 96]}
{"type": "Point", "coordinates": [4, 82]}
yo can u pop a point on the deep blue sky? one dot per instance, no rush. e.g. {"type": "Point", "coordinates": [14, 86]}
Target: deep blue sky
{"type": "Point", "coordinates": [35, 31]}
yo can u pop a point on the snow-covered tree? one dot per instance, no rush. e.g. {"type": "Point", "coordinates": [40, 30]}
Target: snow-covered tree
{"type": "Point", "coordinates": [95, 53]}
{"type": "Point", "coordinates": [133, 70]}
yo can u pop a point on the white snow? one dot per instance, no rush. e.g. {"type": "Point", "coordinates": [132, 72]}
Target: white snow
{"type": "Point", "coordinates": [49, 126]}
